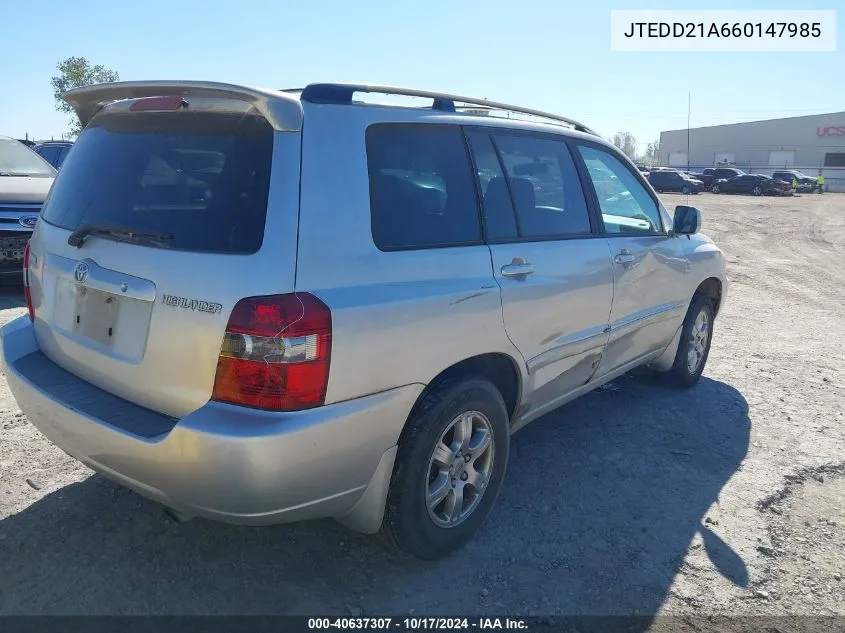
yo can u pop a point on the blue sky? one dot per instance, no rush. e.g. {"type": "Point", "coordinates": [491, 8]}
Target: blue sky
{"type": "Point", "coordinates": [550, 55]}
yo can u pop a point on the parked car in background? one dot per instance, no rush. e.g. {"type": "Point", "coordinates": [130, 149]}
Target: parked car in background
{"type": "Point", "coordinates": [721, 174]}
{"type": "Point", "coordinates": [754, 184]}
{"type": "Point", "coordinates": [670, 180]}
{"type": "Point", "coordinates": [54, 152]}
{"type": "Point", "coordinates": [25, 180]}
{"type": "Point", "coordinates": [711, 174]}
{"type": "Point", "coordinates": [203, 325]}
{"type": "Point", "coordinates": [706, 176]}
{"type": "Point", "coordinates": [806, 184]}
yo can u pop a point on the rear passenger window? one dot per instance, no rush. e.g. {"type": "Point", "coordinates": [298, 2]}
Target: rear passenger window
{"type": "Point", "coordinates": [544, 187]}
{"type": "Point", "coordinates": [422, 193]}
{"type": "Point", "coordinates": [498, 208]}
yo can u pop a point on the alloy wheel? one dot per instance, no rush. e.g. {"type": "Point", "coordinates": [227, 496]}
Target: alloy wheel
{"type": "Point", "coordinates": [459, 469]}
{"type": "Point", "coordinates": [698, 340]}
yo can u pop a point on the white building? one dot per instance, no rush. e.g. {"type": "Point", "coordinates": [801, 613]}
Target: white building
{"type": "Point", "coordinates": [807, 143]}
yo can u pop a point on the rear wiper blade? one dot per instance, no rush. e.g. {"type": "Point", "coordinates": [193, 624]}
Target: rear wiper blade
{"type": "Point", "coordinates": [78, 237]}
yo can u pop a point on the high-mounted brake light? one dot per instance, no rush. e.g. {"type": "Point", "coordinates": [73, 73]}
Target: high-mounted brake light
{"type": "Point", "coordinates": [170, 102]}
{"type": "Point", "coordinates": [26, 291]}
{"type": "Point", "coordinates": [276, 353]}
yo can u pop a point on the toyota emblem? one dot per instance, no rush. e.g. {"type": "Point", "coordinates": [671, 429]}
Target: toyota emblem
{"type": "Point", "coordinates": [28, 221]}
{"type": "Point", "coordinates": [80, 273]}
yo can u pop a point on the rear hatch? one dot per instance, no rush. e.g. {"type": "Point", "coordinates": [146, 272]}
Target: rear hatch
{"type": "Point", "coordinates": [161, 219]}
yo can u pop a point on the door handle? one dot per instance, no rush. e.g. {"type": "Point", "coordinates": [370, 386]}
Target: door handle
{"type": "Point", "coordinates": [517, 268]}
{"type": "Point", "coordinates": [624, 257]}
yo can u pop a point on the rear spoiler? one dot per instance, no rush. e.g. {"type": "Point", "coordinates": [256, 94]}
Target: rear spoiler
{"type": "Point", "coordinates": [283, 111]}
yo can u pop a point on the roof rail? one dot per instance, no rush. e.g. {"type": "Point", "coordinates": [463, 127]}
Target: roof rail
{"type": "Point", "coordinates": [341, 93]}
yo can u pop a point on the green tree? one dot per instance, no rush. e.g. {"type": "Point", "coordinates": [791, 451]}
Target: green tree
{"type": "Point", "coordinates": [652, 153]}
{"type": "Point", "coordinates": [627, 143]}
{"type": "Point", "coordinates": [73, 73]}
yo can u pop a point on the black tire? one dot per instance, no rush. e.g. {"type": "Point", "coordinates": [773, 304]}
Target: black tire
{"type": "Point", "coordinates": [686, 190]}
{"type": "Point", "coordinates": [680, 375]}
{"type": "Point", "coordinates": [758, 191]}
{"type": "Point", "coordinates": [407, 523]}
{"type": "Point", "coordinates": [714, 189]}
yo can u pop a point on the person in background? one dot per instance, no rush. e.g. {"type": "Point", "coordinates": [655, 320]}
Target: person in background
{"type": "Point", "coordinates": [794, 185]}
{"type": "Point", "coordinates": [820, 182]}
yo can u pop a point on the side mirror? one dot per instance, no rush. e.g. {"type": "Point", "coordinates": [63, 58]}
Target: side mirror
{"type": "Point", "coordinates": [687, 220]}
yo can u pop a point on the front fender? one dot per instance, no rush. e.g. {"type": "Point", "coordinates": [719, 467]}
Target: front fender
{"type": "Point", "coordinates": [706, 261]}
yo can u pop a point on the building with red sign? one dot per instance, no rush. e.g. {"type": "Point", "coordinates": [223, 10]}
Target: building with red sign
{"type": "Point", "coordinates": [805, 143]}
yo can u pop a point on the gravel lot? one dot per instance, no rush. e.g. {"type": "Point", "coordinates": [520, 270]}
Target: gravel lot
{"type": "Point", "coordinates": [726, 499]}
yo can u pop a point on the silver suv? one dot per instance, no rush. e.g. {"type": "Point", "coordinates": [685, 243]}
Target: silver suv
{"type": "Point", "coordinates": [25, 179]}
{"type": "Point", "coordinates": [264, 306]}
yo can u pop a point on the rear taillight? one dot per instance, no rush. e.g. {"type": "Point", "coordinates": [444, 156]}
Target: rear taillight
{"type": "Point", "coordinates": [275, 353]}
{"type": "Point", "coordinates": [26, 292]}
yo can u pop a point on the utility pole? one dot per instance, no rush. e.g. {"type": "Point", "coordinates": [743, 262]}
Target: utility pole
{"type": "Point", "coordinates": [689, 109]}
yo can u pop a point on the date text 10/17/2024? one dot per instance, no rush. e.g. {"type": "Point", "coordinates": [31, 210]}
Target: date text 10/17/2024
{"type": "Point", "coordinates": [418, 624]}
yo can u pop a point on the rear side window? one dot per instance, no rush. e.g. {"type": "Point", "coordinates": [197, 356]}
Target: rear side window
{"type": "Point", "coordinates": [49, 153]}
{"type": "Point", "coordinates": [202, 179]}
{"type": "Point", "coordinates": [544, 186]}
{"type": "Point", "coordinates": [422, 194]}
{"type": "Point", "coordinates": [62, 156]}
{"type": "Point", "coordinates": [496, 199]}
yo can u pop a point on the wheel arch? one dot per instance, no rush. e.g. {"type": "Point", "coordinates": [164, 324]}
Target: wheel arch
{"type": "Point", "coordinates": [499, 368]}
{"type": "Point", "coordinates": [711, 287]}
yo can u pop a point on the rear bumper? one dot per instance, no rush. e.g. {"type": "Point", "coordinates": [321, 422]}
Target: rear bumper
{"type": "Point", "coordinates": [222, 462]}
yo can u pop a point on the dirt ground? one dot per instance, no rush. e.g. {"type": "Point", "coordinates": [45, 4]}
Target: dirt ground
{"type": "Point", "coordinates": [636, 499]}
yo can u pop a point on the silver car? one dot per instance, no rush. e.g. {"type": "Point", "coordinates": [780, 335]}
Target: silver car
{"type": "Point", "coordinates": [25, 180]}
{"type": "Point", "coordinates": [263, 306]}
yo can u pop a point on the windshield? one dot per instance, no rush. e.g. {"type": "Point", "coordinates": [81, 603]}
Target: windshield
{"type": "Point", "coordinates": [16, 159]}
{"type": "Point", "coordinates": [200, 178]}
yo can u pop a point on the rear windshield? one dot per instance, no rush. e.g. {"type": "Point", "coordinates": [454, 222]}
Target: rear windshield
{"type": "Point", "coordinates": [200, 178]}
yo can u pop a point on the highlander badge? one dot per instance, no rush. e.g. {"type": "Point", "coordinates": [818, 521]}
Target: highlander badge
{"type": "Point", "coordinates": [191, 304]}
